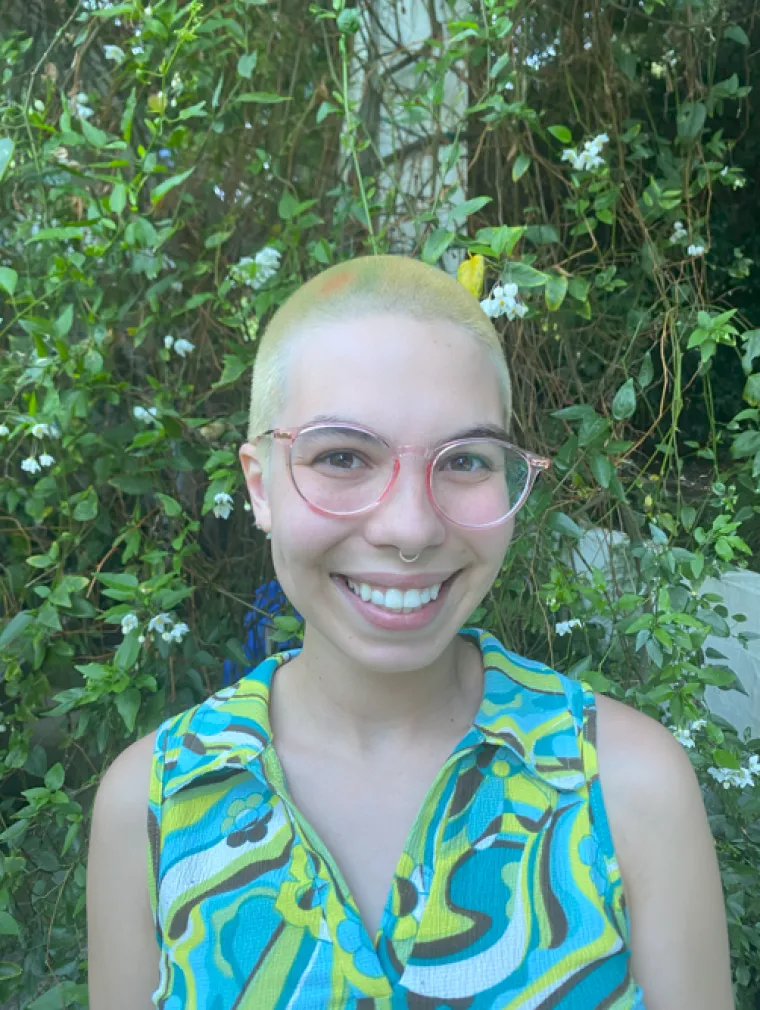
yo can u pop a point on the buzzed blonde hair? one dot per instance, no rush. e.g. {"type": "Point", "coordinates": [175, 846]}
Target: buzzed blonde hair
{"type": "Point", "coordinates": [367, 285]}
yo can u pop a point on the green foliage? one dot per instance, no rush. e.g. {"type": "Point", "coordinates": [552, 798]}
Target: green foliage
{"type": "Point", "coordinates": [167, 179]}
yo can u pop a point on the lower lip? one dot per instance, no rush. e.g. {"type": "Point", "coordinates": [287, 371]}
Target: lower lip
{"type": "Point", "coordinates": [391, 620]}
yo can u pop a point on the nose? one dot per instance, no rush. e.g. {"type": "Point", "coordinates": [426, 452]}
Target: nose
{"type": "Point", "coordinates": [406, 518]}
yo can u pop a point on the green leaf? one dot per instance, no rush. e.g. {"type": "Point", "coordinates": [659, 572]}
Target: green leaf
{"type": "Point", "coordinates": [523, 276]}
{"type": "Point", "coordinates": [563, 135]}
{"type": "Point", "coordinates": [461, 211]}
{"type": "Point", "coordinates": [15, 627]}
{"type": "Point", "coordinates": [691, 119]}
{"type": "Point", "coordinates": [118, 199]}
{"type": "Point", "coordinates": [646, 372]}
{"type": "Point", "coordinates": [6, 153]}
{"type": "Point", "coordinates": [247, 64]}
{"type": "Point", "coordinates": [555, 291]}
{"type": "Point", "coordinates": [54, 777]}
{"type": "Point", "coordinates": [118, 580]}
{"type": "Point", "coordinates": [171, 507]}
{"type": "Point", "coordinates": [132, 484]}
{"type": "Point", "coordinates": [737, 34]}
{"type": "Point", "coordinates": [601, 469]}
{"type": "Point", "coordinates": [87, 507]}
{"type": "Point", "coordinates": [9, 970]}
{"type": "Point", "coordinates": [746, 444]}
{"type": "Point", "coordinates": [542, 234]}
{"type": "Point", "coordinates": [168, 184]}
{"type": "Point", "coordinates": [66, 993]}
{"type": "Point", "coordinates": [127, 653]}
{"type": "Point", "coordinates": [751, 340]}
{"type": "Point", "coordinates": [501, 240]}
{"type": "Point", "coordinates": [262, 97]}
{"type": "Point", "coordinates": [8, 925]}
{"type": "Point", "coordinates": [233, 369]}
{"type": "Point", "coordinates": [579, 289]}
{"type": "Point", "coordinates": [63, 323]}
{"type": "Point", "coordinates": [436, 245]}
{"type": "Point", "coordinates": [127, 705]}
{"type": "Point", "coordinates": [558, 522]}
{"type": "Point", "coordinates": [8, 280]}
{"type": "Point", "coordinates": [520, 167]}
{"type": "Point", "coordinates": [199, 109]}
{"type": "Point", "coordinates": [95, 136]}
{"type": "Point", "coordinates": [752, 390]}
{"type": "Point", "coordinates": [63, 234]}
{"type": "Point", "coordinates": [624, 403]}
{"type": "Point", "coordinates": [286, 208]}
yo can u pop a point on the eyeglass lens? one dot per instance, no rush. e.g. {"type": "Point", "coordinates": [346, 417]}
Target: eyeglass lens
{"type": "Point", "coordinates": [341, 470]}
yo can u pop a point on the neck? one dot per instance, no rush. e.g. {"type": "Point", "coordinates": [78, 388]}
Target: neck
{"type": "Point", "coordinates": [327, 699]}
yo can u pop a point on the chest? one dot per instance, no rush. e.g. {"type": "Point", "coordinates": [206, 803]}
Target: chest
{"type": "Point", "coordinates": [363, 815]}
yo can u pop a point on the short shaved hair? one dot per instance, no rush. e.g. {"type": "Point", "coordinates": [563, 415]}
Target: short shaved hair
{"type": "Point", "coordinates": [367, 285]}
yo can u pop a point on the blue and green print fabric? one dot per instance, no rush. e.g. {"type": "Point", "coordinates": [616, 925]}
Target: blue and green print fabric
{"type": "Point", "coordinates": [507, 895]}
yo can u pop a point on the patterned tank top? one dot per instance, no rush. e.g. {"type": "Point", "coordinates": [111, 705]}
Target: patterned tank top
{"type": "Point", "coordinates": [507, 894]}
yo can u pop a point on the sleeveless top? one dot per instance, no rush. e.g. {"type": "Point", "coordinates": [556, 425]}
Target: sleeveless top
{"type": "Point", "coordinates": [507, 894]}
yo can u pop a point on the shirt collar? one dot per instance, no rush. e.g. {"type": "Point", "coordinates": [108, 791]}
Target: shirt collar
{"type": "Point", "coordinates": [527, 708]}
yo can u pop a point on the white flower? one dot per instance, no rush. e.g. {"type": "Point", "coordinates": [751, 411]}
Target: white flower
{"type": "Point", "coordinates": [727, 777]}
{"type": "Point", "coordinates": [223, 505]}
{"type": "Point", "coordinates": [183, 347]}
{"type": "Point", "coordinates": [4, 430]}
{"type": "Point", "coordinates": [565, 627]}
{"type": "Point", "coordinates": [168, 341]}
{"type": "Point", "coordinates": [247, 506]}
{"type": "Point", "coordinates": [697, 725]}
{"type": "Point", "coordinates": [78, 107]}
{"type": "Point", "coordinates": [128, 623]}
{"type": "Point", "coordinates": [589, 158]}
{"type": "Point", "coordinates": [683, 736]}
{"type": "Point", "coordinates": [39, 106]}
{"type": "Point", "coordinates": [40, 430]}
{"type": "Point", "coordinates": [178, 632]}
{"type": "Point", "coordinates": [31, 465]}
{"type": "Point", "coordinates": [46, 460]}
{"type": "Point", "coordinates": [268, 258]}
{"type": "Point", "coordinates": [753, 766]}
{"type": "Point", "coordinates": [679, 233]}
{"type": "Point", "coordinates": [503, 302]}
{"type": "Point", "coordinates": [695, 250]}
{"type": "Point", "coordinates": [657, 70]}
{"type": "Point", "coordinates": [114, 53]}
{"type": "Point", "coordinates": [141, 639]}
{"type": "Point", "coordinates": [137, 50]}
{"type": "Point", "coordinates": [141, 414]}
{"type": "Point", "coordinates": [160, 623]}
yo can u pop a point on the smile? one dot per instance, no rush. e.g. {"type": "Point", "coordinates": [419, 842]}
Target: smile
{"type": "Point", "coordinates": [398, 600]}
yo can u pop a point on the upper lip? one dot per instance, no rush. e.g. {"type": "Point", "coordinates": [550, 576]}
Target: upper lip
{"type": "Point", "coordinates": [392, 581]}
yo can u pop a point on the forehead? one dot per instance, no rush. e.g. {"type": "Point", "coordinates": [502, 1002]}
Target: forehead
{"type": "Point", "coordinates": [393, 373]}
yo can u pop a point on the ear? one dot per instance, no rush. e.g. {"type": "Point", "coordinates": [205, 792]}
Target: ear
{"type": "Point", "coordinates": [253, 470]}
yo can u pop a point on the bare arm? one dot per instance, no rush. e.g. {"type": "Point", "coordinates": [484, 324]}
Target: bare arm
{"type": "Point", "coordinates": [679, 937]}
{"type": "Point", "coordinates": [123, 953]}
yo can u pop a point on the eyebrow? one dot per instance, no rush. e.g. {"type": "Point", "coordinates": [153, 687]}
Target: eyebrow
{"type": "Point", "coordinates": [484, 430]}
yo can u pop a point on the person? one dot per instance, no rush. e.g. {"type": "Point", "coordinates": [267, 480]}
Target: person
{"type": "Point", "coordinates": [402, 813]}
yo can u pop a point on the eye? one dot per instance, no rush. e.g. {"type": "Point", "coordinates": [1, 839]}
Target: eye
{"type": "Point", "coordinates": [466, 462]}
{"type": "Point", "coordinates": [341, 459]}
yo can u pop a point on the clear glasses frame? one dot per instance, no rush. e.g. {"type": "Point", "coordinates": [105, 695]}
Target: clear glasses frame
{"type": "Point", "coordinates": [536, 465]}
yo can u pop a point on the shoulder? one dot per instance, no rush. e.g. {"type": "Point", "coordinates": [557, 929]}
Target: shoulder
{"type": "Point", "coordinates": [122, 797]}
{"type": "Point", "coordinates": [649, 786]}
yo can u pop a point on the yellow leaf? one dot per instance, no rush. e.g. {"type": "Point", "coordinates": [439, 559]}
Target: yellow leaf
{"type": "Point", "coordinates": [471, 273]}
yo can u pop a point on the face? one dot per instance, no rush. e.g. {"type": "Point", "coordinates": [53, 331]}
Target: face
{"type": "Point", "coordinates": [415, 383]}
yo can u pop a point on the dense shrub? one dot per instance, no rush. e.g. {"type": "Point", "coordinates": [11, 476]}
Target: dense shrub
{"type": "Point", "coordinates": [168, 174]}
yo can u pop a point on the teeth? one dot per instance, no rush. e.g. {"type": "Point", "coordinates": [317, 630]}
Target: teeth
{"type": "Point", "coordinates": [395, 599]}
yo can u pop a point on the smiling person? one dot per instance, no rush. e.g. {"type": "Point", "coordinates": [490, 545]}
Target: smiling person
{"type": "Point", "coordinates": [403, 813]}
